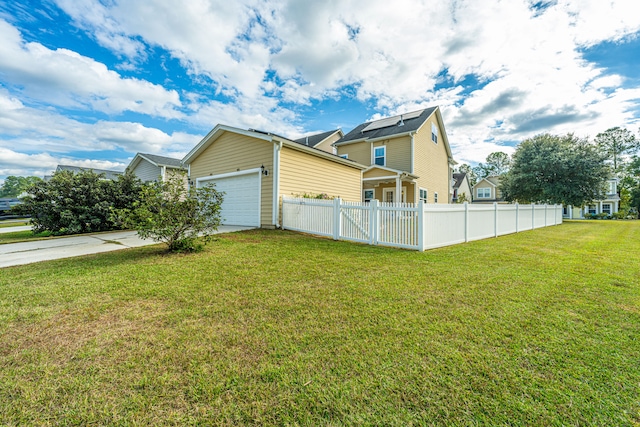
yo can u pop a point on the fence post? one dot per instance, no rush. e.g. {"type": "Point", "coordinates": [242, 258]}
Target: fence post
{"type": "Point", "coordinates": [421, 226]}
{"type": "Point", "coordinates": [517, 216]}
{"type": "Point", "coordinates": [495, 219]}
{"type": "Point", "coordinates": [466, 221]}
{"type": "Point", "coordinates": [373, 222]}
{"type": "Point", "coordinates": [533, 216]}
{"type": "Point", "coordinates": [545, 214]}
{"type": "Point", "coordinates": [337, 218]}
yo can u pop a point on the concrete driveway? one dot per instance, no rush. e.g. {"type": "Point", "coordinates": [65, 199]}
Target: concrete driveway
{"type": "Point", "coordinates": [66, 247]}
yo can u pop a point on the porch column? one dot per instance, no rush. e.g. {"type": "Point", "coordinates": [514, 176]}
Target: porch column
{"type": "Point", "coordinates": [600, 210]}
{"type": "Point", "coordinates": [398, 198]}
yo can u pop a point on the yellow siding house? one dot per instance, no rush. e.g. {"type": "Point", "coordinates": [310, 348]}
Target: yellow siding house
{"type": "Point", "coordinates": [408, 157]}
{"type": "Point", "coordinates": [255, 169]}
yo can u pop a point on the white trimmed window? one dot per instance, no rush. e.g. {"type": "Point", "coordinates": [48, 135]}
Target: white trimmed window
{"type": "Point", "coordinates": [435, 197]}
{"type": "Point", "coordinates": [424, 195]}
{"type": "Point", "coordinates": [592, 209]}
{"type": "Point", "coordinates": [379, 155]}
{"type": "Point", "coordinates": [483, 193]}
{"type": "Point", "coordinates": [434, 133]}
{"type": "Point", "coordinates": [606, 208]}
{"type": "Point", "coordinates": [369, 194]}
{"type": "Point", "coordinates": [612, 188]}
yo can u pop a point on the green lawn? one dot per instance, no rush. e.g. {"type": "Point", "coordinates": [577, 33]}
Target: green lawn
{"type": "Point", "coordinates": [23, 236]}
{"type": "Point", "coordinates": [12, 223]}
{"type": "Point", "coordinates": [277, 328]}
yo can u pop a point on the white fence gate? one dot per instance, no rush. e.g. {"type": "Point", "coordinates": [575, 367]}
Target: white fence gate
{"type": "Point", "coordinates": [413, 226]}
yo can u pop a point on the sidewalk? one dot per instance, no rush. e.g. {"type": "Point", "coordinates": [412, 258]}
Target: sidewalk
{"type": "Point", "coordinates": [65, 247]}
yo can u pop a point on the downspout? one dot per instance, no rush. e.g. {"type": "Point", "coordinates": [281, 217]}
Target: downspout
{"type": "Point", "coordinates": [164, 174]}
{"type": "Point", "coordinates": [277, 147]}
{"type": "Point", "coordinates": [412, 169]}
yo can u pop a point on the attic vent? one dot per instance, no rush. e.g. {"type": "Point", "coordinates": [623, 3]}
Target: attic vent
{"type": "Point", "coordinates": [401, 122]}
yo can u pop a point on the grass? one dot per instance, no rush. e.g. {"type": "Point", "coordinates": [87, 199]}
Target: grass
{"type": "Point", "coordinates": [13, 223]}
{"type": "Point", "coordinates": [24, 236]}
{"type": "Point", "coordinates": [277, 328]}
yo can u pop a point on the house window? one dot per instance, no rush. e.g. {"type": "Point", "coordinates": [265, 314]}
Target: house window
{"type": "Point", "coordinates": [424, 195]}
{"type": "Point", "coordinates": [612, 187]}
{"type": "Point", "coordinates": [483, 193]}
{"type": "Point", "coordinates": [592, 209]}
{"type": "Point", "coordinates": [565, 211]}
{"type": "Point", "coordinates": [369, 195]}
{"type": "Point", "coordinates": [435, 197]}
{"type": "Point", "coordinates": [606, 208]}
{"type": "Point", "coordinates": [434, 133]}
{"type": "Point", "coordinates": [379, 154]}
{"type": "Point", "coordinates": [344, 156]}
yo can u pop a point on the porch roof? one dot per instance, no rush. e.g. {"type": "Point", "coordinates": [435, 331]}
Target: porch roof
{"type": "Point", "coordinates": [379, 174]}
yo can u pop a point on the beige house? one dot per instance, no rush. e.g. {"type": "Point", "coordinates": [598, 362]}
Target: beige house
{"type": "Point", "coordinates": [608, 205]}
{"type": "Point", "coordinates": [408, 157]}
{"type": "Point", "coordinates": [255, 169]}
{"type": "Point", "coordinates": [461, 188]}
{"type": "Point", "coordinates": [151, 167]}
{"type": "Point", "coordinates": [322, 141]}
{"type": "Point", "coordinates": [487, 190]}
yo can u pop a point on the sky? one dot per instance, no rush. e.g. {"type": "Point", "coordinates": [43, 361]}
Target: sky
{"type": "Point", "coordinates": [91, 82]}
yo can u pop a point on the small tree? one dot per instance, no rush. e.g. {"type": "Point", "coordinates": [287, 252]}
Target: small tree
{"type": "Point", "coordinates": [168, 212]}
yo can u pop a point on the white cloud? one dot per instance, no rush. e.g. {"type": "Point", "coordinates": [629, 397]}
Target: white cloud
{"type": "Point", "coordinates": [65, 78]}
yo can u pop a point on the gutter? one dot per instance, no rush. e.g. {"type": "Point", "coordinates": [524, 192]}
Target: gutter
{"type": "Point", "coordinates": [277, 148]}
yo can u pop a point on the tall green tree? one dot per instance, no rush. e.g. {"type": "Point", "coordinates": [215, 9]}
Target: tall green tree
{"type": "Point", "coordinates": [632, 181]}
{"type": "Point", "coordinates": [556, 169]}
{"type": "Point", "coordinates": [13, 186]}
{"type": "Point", "coordinates": [497, 164]}
{"type": "Point", "coordinates": [471, 175]}
{"type": "Point", "coordinates": [617, 142]}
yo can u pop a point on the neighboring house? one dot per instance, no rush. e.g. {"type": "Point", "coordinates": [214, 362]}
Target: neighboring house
{"type": "Point", "coordinates": [461, 187]}
{"type": "Point", "coordinates": [322, 141]}
{"type": "Point", "coordinates": [408, 157]}
{"type": "Point", "coordinates": [151, 167]}
{"type": "Point", "coordinates": [113, 175]}
{"type": "Point", "coordinates": [255, 169]}
{"type": "Point", "coordinates": [487, 190]}
{"type": "Point", "coordinates": [609, 205]}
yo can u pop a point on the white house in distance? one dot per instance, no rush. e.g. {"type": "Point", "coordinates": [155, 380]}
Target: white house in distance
{"type": "Point", "coordinates": [609, 205]}
{"type": "Point", "coordinates": [151, 167]}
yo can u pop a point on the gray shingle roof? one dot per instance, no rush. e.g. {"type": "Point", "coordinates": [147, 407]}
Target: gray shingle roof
{"type": "Point", "coordinates": [163, 161]}
{"type": "Point", "coordinates": [409, 125]}
{"type": "Point", "coordinates": [107, 173]}
{"type": "Point", "coordinates": [459, 177]}
{"type": "Point", "coordinates": [313, 140]}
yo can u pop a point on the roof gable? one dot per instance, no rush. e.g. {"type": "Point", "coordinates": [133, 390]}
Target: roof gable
{"type": "Point", "coordinates": [315, 139]}
{"type": "Point", "coordinates": [155, 160]}
{"type": "Point", "coordinates": [108, 174]}
{"type": "Point", "coordinates": [389, 126]}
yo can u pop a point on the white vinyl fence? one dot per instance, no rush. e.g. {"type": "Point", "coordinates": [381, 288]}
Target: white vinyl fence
{"type": "Point", "coordinates": [413, 226]}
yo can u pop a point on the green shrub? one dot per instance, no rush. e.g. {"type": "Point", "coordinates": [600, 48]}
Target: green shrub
{"type": "Point", "coordinates": [169, 212]}
{"type": "Point", "coordinates": [72, 203]}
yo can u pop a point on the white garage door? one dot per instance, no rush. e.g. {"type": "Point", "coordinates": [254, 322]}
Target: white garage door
{"type": "Point", "coordinates": [241, 203]}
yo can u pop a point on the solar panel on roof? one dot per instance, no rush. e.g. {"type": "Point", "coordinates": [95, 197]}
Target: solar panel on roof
{"type": "Point", "coordinates": [391, 121]}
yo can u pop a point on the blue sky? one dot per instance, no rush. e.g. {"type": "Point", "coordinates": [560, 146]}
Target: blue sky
{"type": "Point", "coordinates": [90, 83]}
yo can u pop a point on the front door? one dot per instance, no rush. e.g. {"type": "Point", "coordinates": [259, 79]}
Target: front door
{"type": "Point", "coordinates": [388, 195]}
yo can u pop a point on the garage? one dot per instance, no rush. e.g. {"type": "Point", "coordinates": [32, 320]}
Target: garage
{"type": "Point", "coordinates": [241, 203]}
